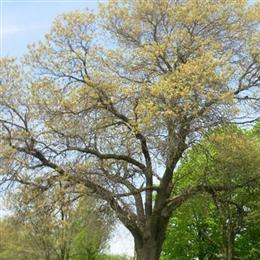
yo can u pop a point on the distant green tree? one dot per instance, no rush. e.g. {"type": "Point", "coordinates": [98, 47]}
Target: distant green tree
{"type": "Point", "coordinates": [91, 230]}
{"type": "Point", "coordinates": [14, 241]}
{"type": "Point", "coordinates": [54, 225]}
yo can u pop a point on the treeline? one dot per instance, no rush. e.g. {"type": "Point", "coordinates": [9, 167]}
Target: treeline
{"type": "Point", "coordinates": [55, 224]}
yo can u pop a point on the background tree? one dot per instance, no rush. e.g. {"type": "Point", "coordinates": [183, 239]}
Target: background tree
{"type": "Point", "coordinates": [52, 225]}
{"type": "Point", "coordinates": [219, 225]}
{"type": "Point", "coordinates": [193, 232]}
{"type": "Point", "coordinates": [113, 101]}
{"type": "Point", "coordinates": [92, 228]}
{"type": "Point", "coordinates": [14, 240]}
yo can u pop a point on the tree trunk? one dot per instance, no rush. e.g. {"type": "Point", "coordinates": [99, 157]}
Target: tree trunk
{"type": "Point", "coordinates": [149, 250]}
{"type": "Point", "coordinates": [229, 245]}
{"type": "Point", "coordinates": [228, 252]}
{"type": "Point", "coordinates": [148, 246]}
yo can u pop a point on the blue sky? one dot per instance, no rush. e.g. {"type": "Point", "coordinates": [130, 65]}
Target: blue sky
{"type": "Point", "coordinates": [26, 21]}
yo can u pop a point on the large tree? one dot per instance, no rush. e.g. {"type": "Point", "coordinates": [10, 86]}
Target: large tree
{"type": "Point", "coordinates": [112, 101]}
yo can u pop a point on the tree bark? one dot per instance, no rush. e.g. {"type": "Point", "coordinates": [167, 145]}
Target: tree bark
{"type": "Point", "coordinates": [149, 247]}
{"type": "Point", "coordinates": [148, 250]}
{"type": "Point", "coordinates": [228, 245]}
